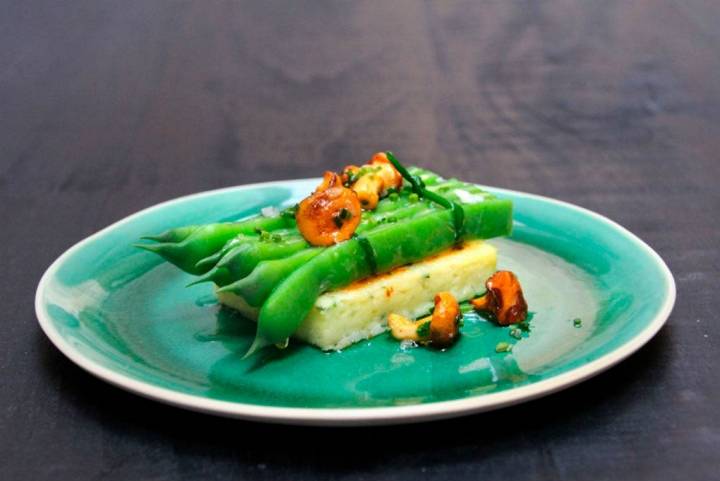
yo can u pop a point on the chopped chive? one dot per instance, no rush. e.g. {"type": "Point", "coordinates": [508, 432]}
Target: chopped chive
{"type": "Point", "coordinates": [577, 322]}
{"type": "Point", "coordinates": [265, 236]}
{"type": "Point", "coordinates": [423, 329]}
{"type": "Point", "coordinates": [289, 212]}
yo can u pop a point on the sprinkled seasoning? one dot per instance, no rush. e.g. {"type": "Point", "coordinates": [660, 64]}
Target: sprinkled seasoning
{"type": "Point", "coordinates": [516, 333]}
{"type": "Point", "coordinates": [265, 236]}
{"type": "Point", "coordinates": [353, 176]}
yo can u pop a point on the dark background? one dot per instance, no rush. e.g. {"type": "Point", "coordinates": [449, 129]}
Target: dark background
{"type": "Point", "coordinates": [109, 107]}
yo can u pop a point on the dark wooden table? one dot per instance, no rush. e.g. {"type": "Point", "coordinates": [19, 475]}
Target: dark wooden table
{"type": "Point", "coordinates": [109, 107]}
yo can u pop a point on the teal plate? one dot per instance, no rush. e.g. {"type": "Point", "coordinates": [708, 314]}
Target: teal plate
{"type": "Point", "coordinates": [126, 317]}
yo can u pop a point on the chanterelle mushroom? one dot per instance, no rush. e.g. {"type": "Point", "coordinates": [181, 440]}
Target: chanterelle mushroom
{"type": "Point", "coordinates": [444, 327]}
{"type": "Point", "coordinates": [504, 299]}
{"type": "Point", "coordinates": [330, 214]}
{"type": "Point", "coordinates": [372, 180]}
{"type": "Point", "coordinates": [441, 329]}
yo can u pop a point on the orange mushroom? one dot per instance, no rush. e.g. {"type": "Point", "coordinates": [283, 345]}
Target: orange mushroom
{"type": "Point", "coordinates": [441, 329]}
{"type": "Point", "coordinates": [329, 215]}
{"type": "Point", "coordinates": [444, 327]}
{"type": "Point", "coordinates": [388, 173]}
{"type": "Point", "coordinates": [504, 299]}
{"type": "Point", "coordinates": [404, 329]}
{"type": "Point", "coordinates": [372, 180]}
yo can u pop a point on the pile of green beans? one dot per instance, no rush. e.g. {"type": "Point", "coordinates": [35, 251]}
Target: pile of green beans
{"type": "Point", "coordinates": [267, 262]}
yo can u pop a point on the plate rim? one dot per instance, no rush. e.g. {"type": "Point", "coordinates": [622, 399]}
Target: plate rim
{"type": "Point", "coordinates": [351, 416]}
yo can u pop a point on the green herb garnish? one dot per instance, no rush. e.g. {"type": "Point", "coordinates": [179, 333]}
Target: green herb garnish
{"type": "Point", "coordinates": [577, 322]}
{"type": "Point", "coordinates": [466, 307]}
{"type": "Point", "coordinates": [345, 214]}
{"type": "Point", "coordinates": [289, 212]}
{"type": "Point", "coordinates": [423, 329]}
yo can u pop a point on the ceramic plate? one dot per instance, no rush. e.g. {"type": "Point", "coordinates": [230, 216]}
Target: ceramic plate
{"type": "Point", "coordinates": [127, 317]}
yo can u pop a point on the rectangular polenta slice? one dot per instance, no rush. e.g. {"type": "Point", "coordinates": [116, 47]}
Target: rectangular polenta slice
{"type": "Point", "coordinates": [359, 311]}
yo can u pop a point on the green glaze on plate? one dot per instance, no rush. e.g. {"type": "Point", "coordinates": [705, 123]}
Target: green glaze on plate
{"type": "Point", "coordinates": [125, 316]}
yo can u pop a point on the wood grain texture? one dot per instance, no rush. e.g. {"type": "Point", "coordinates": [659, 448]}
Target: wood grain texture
{"type": "Point", "coordinates": [108, 107]}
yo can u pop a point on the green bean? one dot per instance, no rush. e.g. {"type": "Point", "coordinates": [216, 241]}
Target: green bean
{"type": "Point", "coordinates": [257, 286]}
{"type": "Point", "coordinates": [177, 234]}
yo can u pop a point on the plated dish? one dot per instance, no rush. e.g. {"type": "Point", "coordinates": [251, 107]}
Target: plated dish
{"type": "Point", "coordinates": [370, 249]}
{"type": "Point", "coordinates": [129, 318]}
